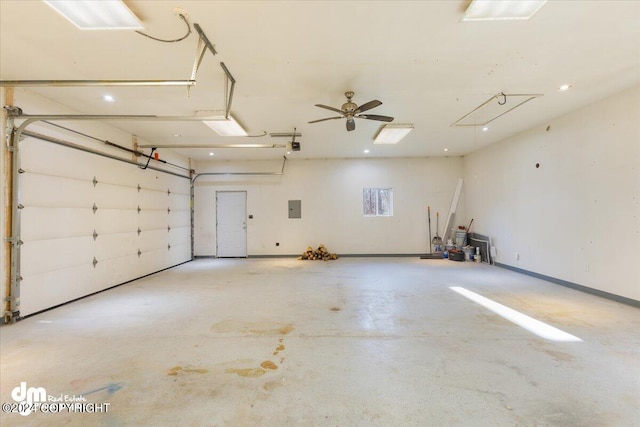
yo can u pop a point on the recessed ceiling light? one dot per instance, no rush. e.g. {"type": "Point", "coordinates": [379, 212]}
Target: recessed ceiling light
{"type": "Point", "coordinates": [496, 10]}
{"type": "Point", "coordinates": [108, 98]}
{"type": "Point", "coordinates": [177, 135]}
{"type": "Point", "coordinates": [446, 149]}
{"type": "Point", "coordinates": [288, 152]}
{"type": "Point", "coordinates": [564, 87]}
{"type": "Point", "coordinates": [211, 154]}
{"type": "Point", "coordinates": [484, 129]}
{"type": "Point", "coordinates": [366, 151]}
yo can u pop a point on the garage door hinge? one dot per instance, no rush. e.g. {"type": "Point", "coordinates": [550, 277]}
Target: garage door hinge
{"type": "Point", "coordinates": [139, 231]}
{"type": "Point", "coordinates": [139, 253]}
{"type": "Point", "coordinates": [14, 241]}
{"type": "Point", "coordinates": [95, 208]}
{"type": "Point", "coordinates": [139, 188]}
{"type": "Point", "coordinates": [95, 235]}
{"type": "Point", "coordinates": [169, 247]}
{"type": "Point", "coordinates": [13, 111]}
{"type": "Point", "coordinates": [95, 261]}
{"type": "Point", "coordinates": [20, 206]}
{"type": "Point", "coordinates": [18, 279]}
{"type": "Point", "coordinates": [95, 181]}
{"type": "Point", "coordinates": [139, 209]}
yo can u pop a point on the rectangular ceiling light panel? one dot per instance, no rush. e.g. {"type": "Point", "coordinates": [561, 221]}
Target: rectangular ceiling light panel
{"type": "Point", "coordinates": [496, 10]}
{"type": "Point", "coordinates": [224, 126]}
{"type": "Point", "coordinates": [97, 14]}
{"type": "Point", "coordinates": [392, 133]}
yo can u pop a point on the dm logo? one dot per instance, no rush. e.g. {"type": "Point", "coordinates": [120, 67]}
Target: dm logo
{"type": "Point", "coordinates": [28, 396]}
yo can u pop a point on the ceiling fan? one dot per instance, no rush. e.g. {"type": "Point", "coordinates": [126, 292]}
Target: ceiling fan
{"type": "Point", "coordinates": [350, 111]}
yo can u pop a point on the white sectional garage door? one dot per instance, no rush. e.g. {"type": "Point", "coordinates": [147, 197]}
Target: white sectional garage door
{"type": "Point", "coordinates": [90, 222]}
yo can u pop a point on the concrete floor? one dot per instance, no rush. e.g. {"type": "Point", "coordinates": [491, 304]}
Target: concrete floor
{"type": "Point", "coordinates": [353, 342]}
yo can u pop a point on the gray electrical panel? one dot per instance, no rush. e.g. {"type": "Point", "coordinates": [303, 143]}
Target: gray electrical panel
{"type": "Point", "coordinates": [295, 209]}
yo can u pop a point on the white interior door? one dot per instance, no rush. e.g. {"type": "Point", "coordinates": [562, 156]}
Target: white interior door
{"type": "Point", "coordinates": [231, 224]}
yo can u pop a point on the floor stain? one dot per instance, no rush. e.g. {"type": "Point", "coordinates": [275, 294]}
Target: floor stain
{"type": "Point", "coordinates": [278, 349]}
{"type": "Point", "coordinates": [257, 328]}
{"type": "Point", "coordinates": [247, 372]}
{"type": "Point", "coordinates": [335, 309]}
{"type": "Point", "coordinates": [273, 385]}
{"type": "Point", "coordinates": [560, 356]}
{"type": "Point", "coordinates": [178, 370]}
{"type": "Point", "coordinates": [268, 364]}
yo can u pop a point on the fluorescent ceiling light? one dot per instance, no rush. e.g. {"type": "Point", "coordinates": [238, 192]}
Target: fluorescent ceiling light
{"type": "Point", "coordinates": [564, 87]}
{"type": "Point", "coordinates": [97, 14]}
{"type": "Point", "coordinates": [495, 10]}
{"type": "Point", "coordinates": [392, 133]}
{"type": "Point", "coordinates": [532, 325]}
{"type": "Point", "coordinates": [223, 126]}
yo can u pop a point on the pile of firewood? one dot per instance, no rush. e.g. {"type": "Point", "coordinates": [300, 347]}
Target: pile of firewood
{"type": "Point", "coordinates": [320, 253]}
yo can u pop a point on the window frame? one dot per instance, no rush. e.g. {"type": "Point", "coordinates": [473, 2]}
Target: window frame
{"type": "Point", "coordinates": [378, 205]}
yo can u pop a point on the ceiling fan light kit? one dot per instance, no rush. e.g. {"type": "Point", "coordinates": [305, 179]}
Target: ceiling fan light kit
{"type": "Point", "coordinates": [392, 133]}
{"type": "Point", "coordinates": [350, 111]}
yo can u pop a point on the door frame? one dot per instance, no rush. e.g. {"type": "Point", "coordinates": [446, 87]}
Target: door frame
{"type": "Point", "coordinates": [245, 222]}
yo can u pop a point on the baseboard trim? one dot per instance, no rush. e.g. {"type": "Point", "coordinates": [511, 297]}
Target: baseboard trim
{"type": "Point", "coordinates": [339, 256]}
{"type": "Point", "coordinates": [582, 288]}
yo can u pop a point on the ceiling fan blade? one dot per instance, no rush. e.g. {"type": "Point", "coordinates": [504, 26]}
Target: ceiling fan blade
{"type": "Point", "coordinates": [351, 125]}
{"type": "Point", "coordinates": [328, 118]}
{"type": "Point", "coordinates": [375, 117]}
{"type": "Point", "coordinates": [329, 108]}
{"type": "Point", "coordinates": [369, 105]}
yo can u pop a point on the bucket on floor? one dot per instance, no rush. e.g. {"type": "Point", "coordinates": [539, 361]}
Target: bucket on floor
{"type": "Point", "coordinates": [461, 238]}
{"type": "Point", "coordinates": [469, 252]}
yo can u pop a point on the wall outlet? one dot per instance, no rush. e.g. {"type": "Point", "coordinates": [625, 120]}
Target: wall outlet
{"type": "Point", "coordinates": [517, 256]}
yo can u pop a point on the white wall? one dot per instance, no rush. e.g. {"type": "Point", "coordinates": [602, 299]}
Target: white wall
{"type": "Point", "coordinates": [577, 216]}
{"type": "Point", "coordinates": [332, 212]}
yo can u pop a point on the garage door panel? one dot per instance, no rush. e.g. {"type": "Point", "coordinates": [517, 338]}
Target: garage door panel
{"type": "Point", "coordinates": [180, 219]}
{"type": "Point", "coordinates": [58, 223]}
{"type": "Point", "coordinates": [153, 239]}
{"type": "Point", "coordinates": [46, 255]}
{"type": "Point", "coordinates": [154, 200]}
{"type": "Point", "coordinates": [115, 196]}
{"type": "Point", "coordinates": [153, 219]}
{"type": "Point", "coordinates": [116, 245]}
{"type": "Point", "coordinates": [53, 223]}
{"type": "Point", "coordinates": [112, 221]}
{"type": "Point", "coordinates": [179, 201]}
{"type": "Point", "coordinates": [42, 291]}
{"type": "Point", "coordinates": [55, 192]}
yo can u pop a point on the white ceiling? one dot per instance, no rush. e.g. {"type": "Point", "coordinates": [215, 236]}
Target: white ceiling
{"type": "Point", "coordinates": [427, 67]}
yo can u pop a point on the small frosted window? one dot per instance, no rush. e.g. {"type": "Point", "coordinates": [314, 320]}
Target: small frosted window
{"type": "Point", "coordinates": [378, 202]}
